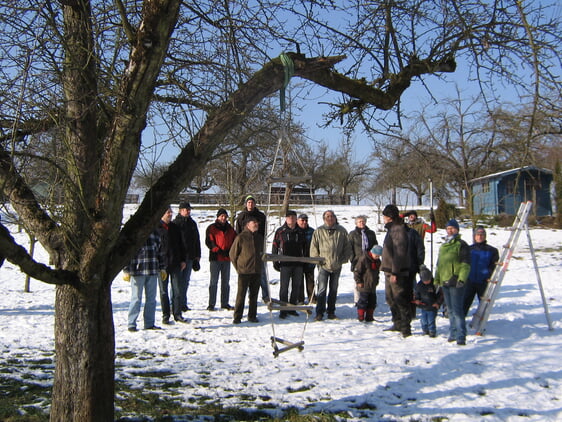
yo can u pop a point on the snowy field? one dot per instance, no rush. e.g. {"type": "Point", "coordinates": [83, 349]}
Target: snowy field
{"type": "Point", "coordinates": [353, 369]}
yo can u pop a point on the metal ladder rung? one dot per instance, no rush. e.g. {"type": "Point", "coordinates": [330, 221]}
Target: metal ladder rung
{"type": "Point", "coordinates": [289, 179]}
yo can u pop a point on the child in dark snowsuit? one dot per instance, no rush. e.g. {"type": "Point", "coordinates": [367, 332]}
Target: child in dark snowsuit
{"type": "Point", "coordinates": [428, 299]}
{"type": "Point", "coordinates": [366, 275]}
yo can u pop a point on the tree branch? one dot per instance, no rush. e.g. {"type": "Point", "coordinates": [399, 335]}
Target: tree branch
{"type": "Point", "coordinates": [17, 254]}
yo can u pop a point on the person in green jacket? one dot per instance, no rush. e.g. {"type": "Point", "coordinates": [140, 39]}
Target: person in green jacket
{"type": "Point", "coordinates": [330, 242]}
{"type": "Point", "coordinates": [453, 268]}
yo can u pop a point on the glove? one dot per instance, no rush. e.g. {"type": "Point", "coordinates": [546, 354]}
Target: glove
{"type": "Point", "coordinates": [126, 277]}
{"type": "Point", "coordinates": [277, 265]}
{"type": "Point", "coordinates": [163, 275]}
{"type": "Point", "coordinates": [460, 284]}
{"type": "Point", "coordinates": [223, 252]}
{"type": "Point", "coordinates": [196, 265]}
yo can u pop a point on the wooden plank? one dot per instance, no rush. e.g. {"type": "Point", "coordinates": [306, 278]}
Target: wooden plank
{"type": "Point", "coordinates": [286, 258]}
{"type": "Point", "coordinates": [288, 346]}
{"type": "Point", "coordinates": [278, 305]}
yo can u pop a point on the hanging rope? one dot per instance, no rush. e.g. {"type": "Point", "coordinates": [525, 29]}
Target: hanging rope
{"type": "Point", "coordinates": [289, 71]}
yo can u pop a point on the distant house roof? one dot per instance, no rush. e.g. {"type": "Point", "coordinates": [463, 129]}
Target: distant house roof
{"type": "Point", "coordinates": [512, 171]}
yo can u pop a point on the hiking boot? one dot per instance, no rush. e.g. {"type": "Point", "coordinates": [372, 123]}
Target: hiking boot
{"type": "Point", "coordinates": [166, 321]}
{"type": "Point", "coordinates": [332, 316]}
{"type": "Point", "coordinates": [254, 320]}
{"type": "Point", "coordinates": [181, 319]}
{"type": "Point", "coordinates": [318, 318]}
{"type": "Point", "coordinates": [132, 329]}
{"type": "Point", "coordinates": [236, 321]}
{"type": "Point", "coordinates": [228, 307]}
{"type": "Point", "coordinates": [154, 327]}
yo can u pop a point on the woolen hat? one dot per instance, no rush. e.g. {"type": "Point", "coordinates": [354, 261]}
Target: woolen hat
{"type": "Point", "coordinates": [248, 198]}
{"type": "Point", "coordinates": [289, 213]}
{"type": "Point", "coordinates": [376, 250]}
{"type": "Point", "coordinates": [222, 211]}
{"type": "Point", "coordinates": [480, 230]}
{"type": "Point", "coordinates": [185, 205]}
{"type": "Point", "coordinates": [452, 223]}
{"type": "Point", "coordinates": [391, 211]}
{"type": "Point", "coordinates": [425, 274]}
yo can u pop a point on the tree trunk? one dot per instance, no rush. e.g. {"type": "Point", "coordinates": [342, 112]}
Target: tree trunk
{"type": "Point", "coordinates": [84, 383]}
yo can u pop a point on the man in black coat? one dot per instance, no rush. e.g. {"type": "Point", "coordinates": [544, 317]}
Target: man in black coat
{"type": "Point", "coordinates": [396, 267]}
{"type": "Point", "coordinates": [171, 243]}
{"type": "Point", "coordinates": [191, 246]}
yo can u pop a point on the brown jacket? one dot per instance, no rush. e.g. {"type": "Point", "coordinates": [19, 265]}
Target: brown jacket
{"type": "Point", "coordinates": [245, 252]}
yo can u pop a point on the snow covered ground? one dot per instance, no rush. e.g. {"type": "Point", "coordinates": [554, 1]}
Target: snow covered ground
{"type": "Point", "coordinates": [512, 373]}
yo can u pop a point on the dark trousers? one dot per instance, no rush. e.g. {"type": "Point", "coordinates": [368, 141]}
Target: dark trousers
{"type": "Point", "coordinates": [367, 300]}
{"type": "Point", "coordinates": [399, 296]}
{"type": "Point", "coordinates": [221, 268]}
{"type": "Point", "coordinates": [471, 290]}
{"type": "Point", "coordinates": [290, 276]}
{"type": "Point", "coordinates": [308, 286]}
{"type": "Point", "coordinates": [174, 278]}
{"type": "Point", "coordinates": [247, 282]}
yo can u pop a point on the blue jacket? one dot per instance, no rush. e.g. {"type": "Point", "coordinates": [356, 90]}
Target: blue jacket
{"type": "Point", "coordinates": [483, 259]}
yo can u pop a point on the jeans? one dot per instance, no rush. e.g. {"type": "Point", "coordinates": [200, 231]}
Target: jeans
{"type": "Point", "coordinates": [185, 276]}
{"type": "Point", "coordinates": [327, 280]}
{"type": "Point", "coordinates": [174, 278]}
{"type": "Point", "coordinates": [264, 284]}
{"type": "Point", "coordinates": [454, 297]}
{"type": "Point", "coordinates": [427, 319]}
{"type": "Point", "coordinates": [139, 283]}
{"type": "Point", "coordinates": [222, 267]}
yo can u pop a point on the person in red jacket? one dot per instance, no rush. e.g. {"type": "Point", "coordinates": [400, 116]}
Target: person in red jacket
{"type": "Point", "coordinates": [219, 238]}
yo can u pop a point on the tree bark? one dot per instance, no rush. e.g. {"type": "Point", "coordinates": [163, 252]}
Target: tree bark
{"type": "Point", "coordinates": [84, 385]}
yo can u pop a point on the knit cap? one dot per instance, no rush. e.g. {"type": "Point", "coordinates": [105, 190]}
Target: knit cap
{"type": "Point", "coordinates": [452, 223]}
{"type": "Point", "coordinates": [376, 250]}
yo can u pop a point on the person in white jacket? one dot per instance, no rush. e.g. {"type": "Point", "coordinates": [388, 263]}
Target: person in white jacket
{"type": "Point", "coordinates": [329, 241]}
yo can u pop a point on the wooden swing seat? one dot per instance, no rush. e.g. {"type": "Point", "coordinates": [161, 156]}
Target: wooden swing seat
{"type": "Point", "coordinates": [288, 345]}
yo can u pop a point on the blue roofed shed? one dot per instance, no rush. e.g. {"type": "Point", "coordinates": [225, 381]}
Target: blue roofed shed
{"type": "Point", "coordinates": [503, 192]}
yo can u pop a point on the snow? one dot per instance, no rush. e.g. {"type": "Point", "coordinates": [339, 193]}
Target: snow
{"type": "Point", "coordinates": [357, 370]}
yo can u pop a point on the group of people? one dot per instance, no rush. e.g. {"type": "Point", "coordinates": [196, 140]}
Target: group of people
{"type": "Point", "coordinates": [172, 251]}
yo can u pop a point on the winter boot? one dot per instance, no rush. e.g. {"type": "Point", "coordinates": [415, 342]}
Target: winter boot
{"type": "Point", "coordinates": [361, 314]}
{"type": "Point", "coordinates": [369, 315]}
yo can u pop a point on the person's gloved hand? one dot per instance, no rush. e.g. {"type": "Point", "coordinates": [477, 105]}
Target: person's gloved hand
{"type": "Point", "coordinates": [196, 265]}
{"type": "Point", "coordinates": [277, 265]}
{"type": "Point", "coordinates": [163, 275]}
{"type": "Point", "coordinates": [126, 277]}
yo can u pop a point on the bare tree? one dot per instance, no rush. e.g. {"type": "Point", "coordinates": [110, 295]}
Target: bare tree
{"type": "Point", "coordinates": [93, 74]}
